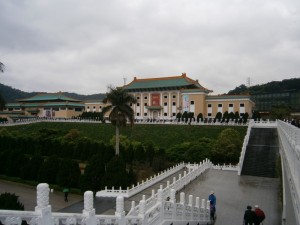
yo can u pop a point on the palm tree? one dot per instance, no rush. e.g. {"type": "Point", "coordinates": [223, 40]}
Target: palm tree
{"type": "Point", "coordinates": [1, 67]}
{"type": "Point", "coordinates": [119, 101]}
{"type": "Point", "coordinates": [2, 101]}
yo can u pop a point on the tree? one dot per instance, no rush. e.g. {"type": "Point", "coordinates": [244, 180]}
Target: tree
{"type": "Point", "coordinates": [10, 202]}
{"type": "Point", "coordinates": [280, 112]}
{"type": "Point", "coordinates": [69, 173]}
{"type": "Point", "coordinates": [2, 101]}
{"type": "Point", "coordinates": [227, 147]}
{"type": "Point", "coordinates": [119, 101]}
{"type": "Point", "coordinates": [2, 67]}
{"type": "Point", "coordinates": [93, 174]}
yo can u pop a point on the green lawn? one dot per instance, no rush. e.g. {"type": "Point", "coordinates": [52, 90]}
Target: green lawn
{"type": "Point", "coordinates": [162, 135]}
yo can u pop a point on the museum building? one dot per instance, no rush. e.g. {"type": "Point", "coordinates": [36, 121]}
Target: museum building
{"type": "Point", "coordinates": [50, 105]}
{"type": "Point", "coordinates": [164, 97]}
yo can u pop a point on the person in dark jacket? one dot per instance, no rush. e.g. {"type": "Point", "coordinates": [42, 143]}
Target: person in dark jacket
{"type": "Point", "coordinates": [249, 216]}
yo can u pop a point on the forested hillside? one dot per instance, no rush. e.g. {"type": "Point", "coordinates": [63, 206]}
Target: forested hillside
{"type": "Point", "coordinates": [274, 86]}
{"type": "Point", "coordinates": [10, 94]}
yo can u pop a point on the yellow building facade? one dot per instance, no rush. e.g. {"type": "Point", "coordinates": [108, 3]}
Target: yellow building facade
{"type": "Point", "coordinates": [165, 97]}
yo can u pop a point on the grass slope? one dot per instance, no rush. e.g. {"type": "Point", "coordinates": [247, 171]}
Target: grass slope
{"type": "Point", "coordinates": [162, 135]}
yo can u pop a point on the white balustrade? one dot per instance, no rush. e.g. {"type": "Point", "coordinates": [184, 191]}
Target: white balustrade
{"type": "Point", "coordinates": [289, 136]}
{"type": "Point", "coordinates": [139, 187]}
{"type": "Point", "coordinates": [161, 212]}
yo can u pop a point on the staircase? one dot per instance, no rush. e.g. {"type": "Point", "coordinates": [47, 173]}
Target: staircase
{"type": "Point", "coordinates": [261, 153]}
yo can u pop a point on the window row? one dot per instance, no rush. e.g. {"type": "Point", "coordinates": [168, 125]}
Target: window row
{"type": "Point", "coordinates": [229, 105]}
{"type": "Point", "coordinates": [146, 97]}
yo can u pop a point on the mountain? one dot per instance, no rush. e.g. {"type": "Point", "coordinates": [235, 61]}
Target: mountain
{"type": "Point", "coordinates": [10, 94]}
{"type": "Point", "coordinates": [274, 86]}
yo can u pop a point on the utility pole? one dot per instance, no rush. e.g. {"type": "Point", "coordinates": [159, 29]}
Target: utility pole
{"type": "Point", "coordinates": [124, 79]}
{"type": "Point", "coordinates": [248, 82]}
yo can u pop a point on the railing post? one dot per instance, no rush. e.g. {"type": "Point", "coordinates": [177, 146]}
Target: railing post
{"type": "Point", "coordinates": [142, 211]}
{"type": "Point", "coordinates": [43, 207]}
{"type": "Point", "coordinates": [89, 211]}
{"type": "Point", "coordinates": [120, 213]}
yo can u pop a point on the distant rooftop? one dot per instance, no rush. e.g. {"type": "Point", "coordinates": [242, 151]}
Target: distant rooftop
{"type": "Point", "coordinates": [165, 83]}
{"type": "Point", "coordinates": [49, 97]}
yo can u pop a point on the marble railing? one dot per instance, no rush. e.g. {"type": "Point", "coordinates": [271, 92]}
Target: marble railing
{"type": "Point", "coordinates": [140, 186]}
{"type": "Point", "coordinates": [176, 185]}
{"type": "Point", "coordinates": [289, 136]}
{"type": "Point", "coordinates": [162, 212]}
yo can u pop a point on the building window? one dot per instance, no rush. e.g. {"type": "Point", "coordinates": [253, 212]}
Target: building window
{"type": "Point", "coordinates": [138, 114]}
{"type": "Point", "coordinates": [100, 107]}
{"type": "Point", "coordinates": [242, 105]}
{"type": "Point", "coordinates": [145, 97]}
{"type": "Point", "coordinates": [130, 104]}
{"type": "Point", "coordinates": [165, 103]}
{"type": "Point", "coordinates": [78, 109]}
{"type": "Point", "coordinates": [219, 105]}
{"type": "Point", "coordinates": [70, 108]}
{"type": "Point", "coordinates": [145, 114]}
{"type": "Point", "coordinates": [173, 114]}
{"type": "Point", "coordinates": [209, 105]}
{"type": "Point", "coordinates": [165, 114]}
{"type": "Point", "coordinates": [192, 102]}
{"type": "Point", "coordinates": [145, 104]}
{"type": "Point", "coordinates": [173, 103]}
{"type": "Point", "coordinates": [138, 104]}
{"type": "Point", "coordinates": [137, 97]}
{"type": "Point", "coordinates": [63, 108]}
{"type": "Point", "coordinates": [209, 114]}
{"type": "Point", "coordinates": [88, 107]}
{"type": "Point", "coordinates": [165, 96]}
{"type": "Point", "coordinates": [174, 96]}
{"type": "Point", "coordinates": [230, 105]}
{"type": "Point", "coordinates": [55, 109]}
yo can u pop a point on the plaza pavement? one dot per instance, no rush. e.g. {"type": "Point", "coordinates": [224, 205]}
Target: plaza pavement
{"type": "Point", "coordinates": [233, 194]}
{"type": "Point", "coordinates": [27, 196]}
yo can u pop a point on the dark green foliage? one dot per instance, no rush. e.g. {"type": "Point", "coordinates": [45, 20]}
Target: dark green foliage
{"type": "Point", "coordinates": [199, 117]}
{"type": "Point", "coordinates": [98, 116]}
{"type": "Point", "coordinates": [31, 168]}
{"type": "Point", "coordinates": [159, 161]}
{"type": "Point", "coordinates": [2, 104]}
{"type": "Point", "coordinates": [11, 94]}
{"type": "Point", "coordinates": [256, 115]}
{"type": "Point", "coordinates": [280, 112]}
{"type": "Point", "coordinates": [10, 201]}
{"type": "Point", "coordinates": [92, 178]}
{"type": "Point", "coordinates": [219, 116]}
{"type": "Point", "coordinates": [178, 116]}
{"type": "Point", "coordinates": [191, 151]}
{"type": "Point", "coordinates": [116, 174]}
{"type": "Point", "coordinates": [274, 86]}
{"type": "Point", "coordinates": [48, 170]}
{"type": "Point", "coordinates": [69, 173]}
{"type": "Point", "coordinates": [14, 162]}
{"type": "Point", "coordinates": [227, 147]}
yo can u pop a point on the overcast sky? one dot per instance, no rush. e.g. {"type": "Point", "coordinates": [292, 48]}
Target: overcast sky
{"type": "Point", "coordinates": [83, 46]}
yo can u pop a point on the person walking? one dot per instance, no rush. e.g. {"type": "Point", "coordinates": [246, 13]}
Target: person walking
{"type": "Point", "coordinates": [212, 212]}
{"type": "Point", "coordinates": [259, 215]}
{"type": "Point", "coordinates": [212, 198]}
{"type": "Point", "coordinates": [249, 216]}
{"type": "Point", "coordinates": [66, 193]}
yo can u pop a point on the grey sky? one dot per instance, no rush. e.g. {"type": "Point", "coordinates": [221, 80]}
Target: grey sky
{"type": "Point", "coordinates": [84, 46]}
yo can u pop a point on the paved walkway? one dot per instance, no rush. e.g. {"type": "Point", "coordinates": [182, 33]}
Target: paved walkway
{"type": "Point", "coordinates": [27, 195]}
{"type": "Point", "coordinates": [235, 192]}
{"type": "Point", "coordinates": [107, 205]}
